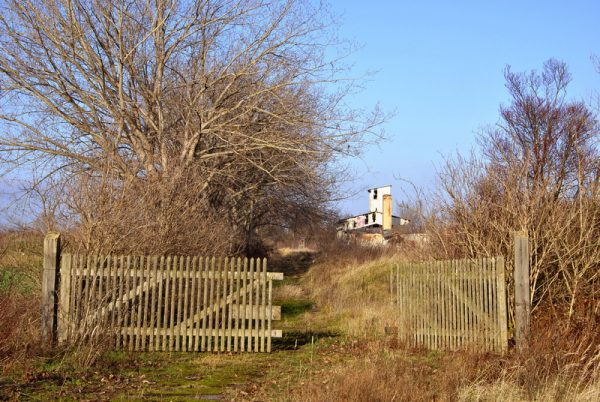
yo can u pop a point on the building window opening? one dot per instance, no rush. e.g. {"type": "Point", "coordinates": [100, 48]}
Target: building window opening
{"type": "Point", "coordinates": [375, 194]}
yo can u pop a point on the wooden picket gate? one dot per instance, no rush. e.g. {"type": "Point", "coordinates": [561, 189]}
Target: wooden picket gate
{"type": "Point", "coordinates": [451, 304]}
{"type": "Point", "coordinates": [168, 303]}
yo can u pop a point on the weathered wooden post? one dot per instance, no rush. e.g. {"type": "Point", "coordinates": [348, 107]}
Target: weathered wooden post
{"type": "Point", "coordinates": [49, 287]}
{"type": "Point", "coordinates": [522, 295]}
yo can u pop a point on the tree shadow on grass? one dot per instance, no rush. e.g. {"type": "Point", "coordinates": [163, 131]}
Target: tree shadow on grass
{"type": "Point", "coordinates": [293, 264]}
{"type": "Point", "coordinates": [294, 339]}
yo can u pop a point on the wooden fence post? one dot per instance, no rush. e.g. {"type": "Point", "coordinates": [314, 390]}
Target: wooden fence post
{"type": "Point", "coordinates": [522, 296]}
{"type": "Point", "coordinates": [49, 287]}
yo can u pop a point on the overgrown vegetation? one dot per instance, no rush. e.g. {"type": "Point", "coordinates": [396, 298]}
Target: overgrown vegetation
{"type": "Point", "coordinates": [537, 170]}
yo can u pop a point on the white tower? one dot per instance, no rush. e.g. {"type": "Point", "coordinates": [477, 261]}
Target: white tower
{"type": "Point", "coordinates": [376, 198]}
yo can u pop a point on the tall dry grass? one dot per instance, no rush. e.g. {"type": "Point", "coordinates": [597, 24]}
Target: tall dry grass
{"type": "Point", "coordinates": [418, 376]}
{"type": "Point", "coordinates": [560, 365]}
{"type": "Point", "coordinates": [348, 284]}
{"type": "Point", "coordinates": [21, 345]}
{"type": "Point", "coordinates": [19, 329]}
{"type": "Point", "coordinates": [350, 288]}
{"type": "Point", "coordinates": [20, 290]}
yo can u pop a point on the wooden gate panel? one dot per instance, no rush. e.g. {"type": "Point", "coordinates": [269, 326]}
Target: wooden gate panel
{"type": "Point", "coordinates": [451, 304]}
{"type": "Point", "coordinates": [170, 303]}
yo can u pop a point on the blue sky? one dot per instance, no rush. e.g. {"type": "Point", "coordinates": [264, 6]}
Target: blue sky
{"type": "Point", "coordinates": [440, 66]}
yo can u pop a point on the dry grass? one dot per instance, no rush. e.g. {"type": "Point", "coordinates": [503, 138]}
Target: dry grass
{"type": "Point", "coordinates": [19, 329]}
{"type": "Point", "coordinates": [20, 305]}
{"type": "Point", "coordinates": [387, 376]}
{"type": "Point", "coordinates": [378, 372]}
{"type": "Point", "coordinates": [20, 287]}
{"type": "Point", "coordinates": [289, 292]}
{"type": "Point", "coordinates": [285, 251]}
{"type": "Point", "coordinates": [562, 363]}
{"type": "Point", "coordinates": [350, 292]}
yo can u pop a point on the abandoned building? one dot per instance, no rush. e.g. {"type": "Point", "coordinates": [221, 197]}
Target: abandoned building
{"type": "Point", "coordinates": [378, 222]}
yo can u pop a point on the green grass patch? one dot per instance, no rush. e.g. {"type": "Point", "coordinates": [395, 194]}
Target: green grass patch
{"type": "Point", "coordinates": [12, 279]}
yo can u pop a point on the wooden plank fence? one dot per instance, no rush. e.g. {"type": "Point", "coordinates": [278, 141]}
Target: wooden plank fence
{"type": "Point", "coordinates": [451, 304]}
{"type": "Point", "coordinates": [168, 303]}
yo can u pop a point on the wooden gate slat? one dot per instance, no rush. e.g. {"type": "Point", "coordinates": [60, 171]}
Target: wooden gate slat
{"type": "Point", "coordinates": [475, 298]}
{"type": "Point", "coordinates": [174, 269]}
{"type": "Point", "coordinates": [132, 310]}
{"type": "Point", "coordinates": [125, 301]}
{"type": "Point", "coordinates": [72, 299]}
{"type": "Point", "coordinates": [198, 280]}
{"type": "Point", "coordinates": [177, 330]}
{"type": "Point", "coordinates": [444, 310]}
{"type": "Point", "coordinates": [137, 308]}
{"type": "Point", "coordinates": [216, 307]}
{"type": "Point", "coordinates": [205, 304]}
{"type": "Point", "coordinates": [191, 278]}
{"type": "Point", "coordinates": [159, 303]}
{"type": "Point", "coordinates": [502, 308]}
{"type": "Point", "coordinates": [250, 301]}
{"type": "Point", "coordinates": [209, 345]}
{"type": "Point", "coordinates": [270, 316]}
{"type": "Point", "coordinates": [230, 272]}
{"type": "Point", "coordinates": [223, 322]}
{"type": "Point", "coordinates": [238, 305]}
{"type": "Point", "coordinates": [165, 303]}
{"type": "Point", "coordinates": [64, 303]}
{"type": "Point", "coordinates": [256, 321]}
{"type": "Point", "coordinates": [100, 302]}
{"type": "Point", "coordinates": [243, 321]}
{"type": "Point", "coordinates": [119, 291]}
{"type": "Point", "coordinates": [113, 290]}
{"type": "Point", "coordinates": [264, 307]}
{"type": "Point", "coordinates": [153, 302]}
{"type": "Point", "coordinates": [421, 299]}
{"type": "Point", "coordinates": [438, 278]}
{"type": "Point", "coordinates": [488, 305]}
{"type": "Point", "coordinates": [494, 297]}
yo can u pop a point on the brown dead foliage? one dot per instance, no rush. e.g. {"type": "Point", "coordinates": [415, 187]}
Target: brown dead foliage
{"type": "Point", "coordinates": [561, 364]}
{"type": "Point", "coordinates": [19, 328]}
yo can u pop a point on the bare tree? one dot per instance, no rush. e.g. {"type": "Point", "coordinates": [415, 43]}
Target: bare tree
{"type": "Point", "coordinates": [231, 99]}
{"type": "Point", "coordinates": [538, 171]}
{"type": "Point", "coordinates": [412, 207]}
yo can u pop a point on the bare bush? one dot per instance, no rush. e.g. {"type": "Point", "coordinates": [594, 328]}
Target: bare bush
{"type": "Point", "coordinates": [538, 171]}
{"type": "Point", "coordinates": [133, 217]}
